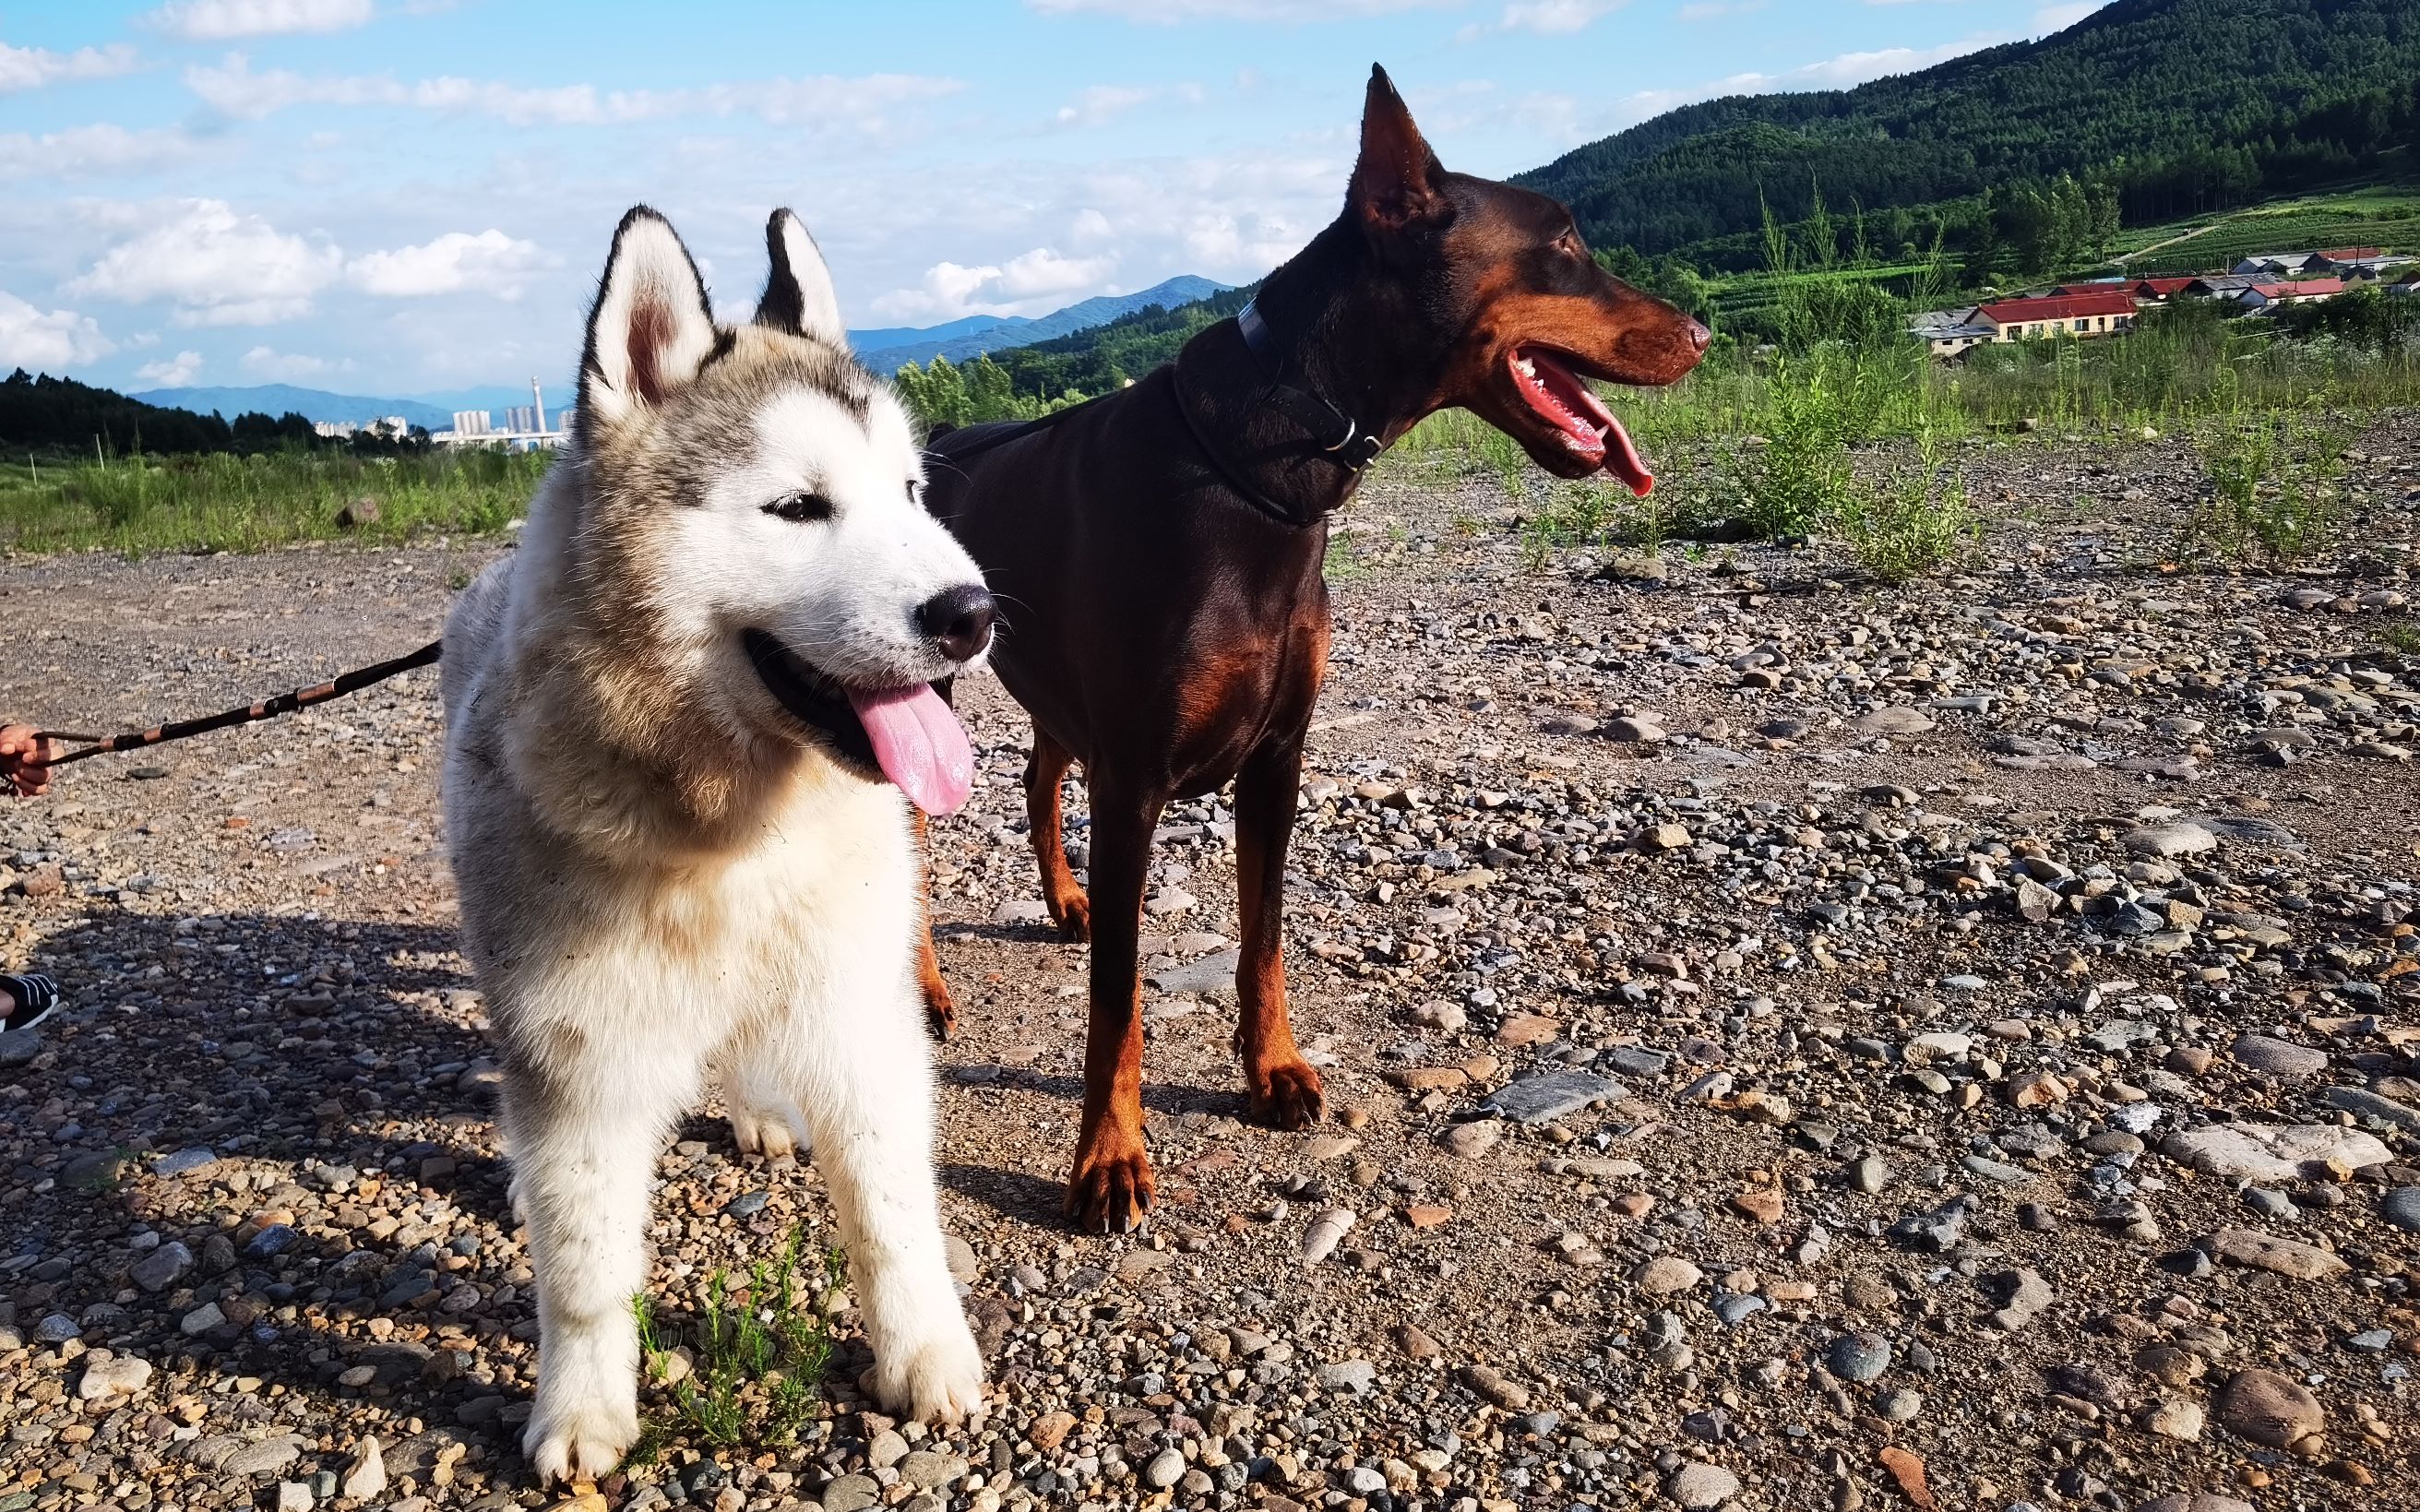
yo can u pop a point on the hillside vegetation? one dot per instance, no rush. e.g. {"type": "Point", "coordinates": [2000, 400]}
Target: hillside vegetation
{"type": "Point", "coordinates": [2174, 107]}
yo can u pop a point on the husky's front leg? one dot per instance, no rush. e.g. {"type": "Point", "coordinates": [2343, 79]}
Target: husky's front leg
{"type": "Point", "coordinates": [584, 1135]}
{"type": "Point", "coordinates": [866, 1086]}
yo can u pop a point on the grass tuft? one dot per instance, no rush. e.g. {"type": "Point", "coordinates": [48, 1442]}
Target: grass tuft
{"type": "Point", "coordinates": [758, 1351]}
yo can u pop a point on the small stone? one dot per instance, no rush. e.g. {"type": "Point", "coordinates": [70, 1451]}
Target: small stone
{"type": "Point", "coordinates": [1524, 1029]}
{"type": "Point", "coordinates": [1892, 721]}
{"type": "Point", "coordinates": [366, 1478]}
{"type": "Point", "coordinates": [852, 1493]}
{"type": "Point", "coordinates": [1050, 1429]}
{"type": "Point", "coordinates": [1472, 1140]}
{"type": "Point", "coordinates": [1492, 1384]}
{"type": "Point", "coordinates": [1445, 1018]}
{"type": "Point", "coordinates": [1762, 1203]}
{"type": "Point", "coordinates": [2401, 1207]}
{"type": "Point", "coordinates": [2180, 1419]}
{"type": "Point", "coordinates": [293, 1496]}
{"type": "Point", "coordinates": [2270, 1408]}
{"type": "Point", "coordinates": [931, 1469]}
{"type": "Point", "coordinates": [1664, 1276]}
{"type": "Point", "coordinates": [1348, 1377]}
{"type": "Point", "coordinates": [1702, 1487]}
{"type": "Point", "coordinates": [1868, 1174]}
{"type": "Point", "coordinates": [163, 1268]}
{"type": "Point", "coordinates": [120, 1375]}
{"type": "Point", "coordinates": [1858, 1357]}
{"type": "Point", "coordinates": [2169, 841]}
{"type": "Point", "coordinates": [1326, 1232]}
{"type": "Point", "coordinates": [1656, 839]}
{"type": "Point", "coordinates": [886, 1449]}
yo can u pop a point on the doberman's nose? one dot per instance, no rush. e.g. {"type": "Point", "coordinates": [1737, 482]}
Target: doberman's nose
{"type": "Point", "coordinates": [958, 621]}
{"type": "Point", "coordinates": [1699, 336]}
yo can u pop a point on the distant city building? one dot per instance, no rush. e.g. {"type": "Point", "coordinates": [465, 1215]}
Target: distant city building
{"type": "Point", "coordinates": [527, 418]}
{"type": "Point", "coordinates": [470, 423]}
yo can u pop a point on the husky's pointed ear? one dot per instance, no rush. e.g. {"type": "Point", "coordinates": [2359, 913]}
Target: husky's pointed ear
{"type": "Point", "coordinates": [1398, 180]}
{"type": "Point", "coordinates": [798, 296]}
{"type": "Point", "coordinates": [652, 329]}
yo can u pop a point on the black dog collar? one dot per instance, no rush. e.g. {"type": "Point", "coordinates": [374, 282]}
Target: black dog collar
{"type": "Point", "coordinates": [1337, 433]}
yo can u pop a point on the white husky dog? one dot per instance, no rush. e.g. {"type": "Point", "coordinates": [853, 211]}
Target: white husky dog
{"type": "Point", "coordinates": [686, 719]}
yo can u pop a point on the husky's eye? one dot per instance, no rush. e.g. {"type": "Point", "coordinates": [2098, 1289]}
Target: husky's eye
{"type": "Point", "coordinates": [914, 490]}
{"type": "Point", "coordinates": [800, 507]}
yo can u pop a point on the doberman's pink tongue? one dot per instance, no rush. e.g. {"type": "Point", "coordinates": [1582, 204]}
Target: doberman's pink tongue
{"type": "Point", "coordinates": [921, 746]}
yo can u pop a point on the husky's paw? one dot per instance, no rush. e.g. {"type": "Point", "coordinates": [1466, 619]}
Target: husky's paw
{"type": "Point", "coordinates": [763, 1132]}
{"type": "Point", "coordinates": [938, 1376]}
{"type": "Point", "coordinates": [579, 1435]}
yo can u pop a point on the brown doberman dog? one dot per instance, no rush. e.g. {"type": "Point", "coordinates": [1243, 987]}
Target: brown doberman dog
{"type": "Point", "coordinates": [1156, 553]}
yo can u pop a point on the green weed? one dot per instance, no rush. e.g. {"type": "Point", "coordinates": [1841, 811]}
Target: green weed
{"type": "Point", "coordinates": [2273, 492]}
{"type": "Point", "coordinates": [2402, 637]}
{"type": "Point", "coordinates": [760, 1350]}
{"type": "Point", "coordinates": [1915, 523]}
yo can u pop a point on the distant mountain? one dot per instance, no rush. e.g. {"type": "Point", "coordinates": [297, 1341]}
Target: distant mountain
{"type": "Point", "coordinates": [887, 351]}
{"type": "Point", "coordinates": [312, 404]}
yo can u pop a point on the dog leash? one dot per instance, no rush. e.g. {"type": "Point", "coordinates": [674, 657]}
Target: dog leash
{"type": "Point", "coordinates": [301, 698]}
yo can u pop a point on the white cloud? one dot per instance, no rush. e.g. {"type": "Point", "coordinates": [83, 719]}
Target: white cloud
{"type": "Point", "coordinates": [90, 149]}
{"type": "Point", "coordinates": [1032, 282]}
{"type": "Point", "coordinates": [1284, 12]}
{"type": "Point", "coordinates": [30, 67]}
{"type": "Point", "coordinates": [220, 268]}
{"type": "Point", "coordinates": [2059, 18]}
{"type": "Point", "coordinates": [55, 339]}
{"type": "Point", "coordinates": [289, 367]}
{"type": "Point", "coordinates": [1556, 18]}
{"type": "Point", "coordinates": [234, 89]}
{"type": "Point", "coordinates": [1714, 10]}
{"type": "Point", "coordinates": [490, 262]}
{"type": "Point", "coordinates": [226, 21]}
{"type": "Point", "coordinates": [172, 372]}
{"type": "Point", "coordinates": [1101, 102]}
{"type": "Point", "coordinates": [1841, 72]}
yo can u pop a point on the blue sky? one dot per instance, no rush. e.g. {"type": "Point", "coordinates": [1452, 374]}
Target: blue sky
{"type": "Point", "coordinates": [401, 196]}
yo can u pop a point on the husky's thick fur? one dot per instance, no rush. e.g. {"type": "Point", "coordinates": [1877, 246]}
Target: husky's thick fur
{"type": "Point", "coordinates": [675, 854]}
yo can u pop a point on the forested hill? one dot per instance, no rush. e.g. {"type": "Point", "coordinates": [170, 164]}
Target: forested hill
{"type": "Point", "coordinates": [2183, 105]}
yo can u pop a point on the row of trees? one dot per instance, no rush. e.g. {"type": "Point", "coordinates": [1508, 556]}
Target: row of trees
{"type": "Point", "coordinates": [61, 415]}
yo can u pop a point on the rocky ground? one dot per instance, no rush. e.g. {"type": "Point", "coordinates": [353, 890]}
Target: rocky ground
{"type": "Point", "coordinates": [1793, 1044]}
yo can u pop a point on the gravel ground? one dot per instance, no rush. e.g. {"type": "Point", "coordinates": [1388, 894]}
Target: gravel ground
{"type": "Point", "coordinates": [1794, 1044]}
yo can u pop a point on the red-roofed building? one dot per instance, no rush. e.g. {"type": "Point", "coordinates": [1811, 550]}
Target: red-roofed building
{"type": "Point", "coordinates": [2270, 296]}
{"type": "Point", "coordinates": [2060, 314]}
{"type": "Point", "coordinates": [2160, 290]}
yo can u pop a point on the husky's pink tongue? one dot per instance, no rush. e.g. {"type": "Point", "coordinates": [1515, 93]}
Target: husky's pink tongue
{"type": "Point", "coordinates": [921, 745]}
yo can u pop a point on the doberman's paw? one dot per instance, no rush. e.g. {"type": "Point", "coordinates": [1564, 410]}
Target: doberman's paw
{"type": "Point", "coordinates": [1289, 1096]}
{"type": "Point", "coordinates": [940, 1012]}
{"type": "Point", "coordinates": [1075, 916]}
{"type": "Point", "coordinates": [1109, 1191]}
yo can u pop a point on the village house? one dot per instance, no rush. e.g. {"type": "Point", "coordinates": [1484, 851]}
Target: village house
{"type": "Point", "coordinates": [1948, 332]}
{"type": "Point", "coordinates": [2160, 290]}
{"type": "Point", "coordinates": [2276, 296]}
{"type": "Point", "coordinates": [2271, 265]}
{"type": "Point", "coordinates": [2059, 315]}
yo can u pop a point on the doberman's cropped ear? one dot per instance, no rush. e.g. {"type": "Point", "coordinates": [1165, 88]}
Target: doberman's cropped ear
{"type": "Point", "coordinates": [652, 330]}
{"type": "Point", "coordinates": [798, 296]}
{"type": "Point", "coordinates": [1398, 180]}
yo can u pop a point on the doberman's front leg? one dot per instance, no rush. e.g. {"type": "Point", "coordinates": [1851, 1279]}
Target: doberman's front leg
{"type": "Point", "coordinates": [1043, 771]}
{"type": "Point", "coordinates": [1111, 1188]}
{"type": "Point", "coordinates": [1286, 1089]}
{"type": "Point", "coordinates": [941, 1013]}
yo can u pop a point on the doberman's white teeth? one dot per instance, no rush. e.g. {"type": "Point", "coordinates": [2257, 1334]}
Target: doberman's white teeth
{"type": "Point", "coordinates": [1528, 368]}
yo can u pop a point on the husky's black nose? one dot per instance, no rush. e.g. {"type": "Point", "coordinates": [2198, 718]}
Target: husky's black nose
{"type": "Point", "coordinates": [958, 621]}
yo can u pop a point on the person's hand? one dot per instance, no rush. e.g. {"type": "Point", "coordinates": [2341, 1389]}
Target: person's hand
{"type": "Point", "coordinates": [21, 755]}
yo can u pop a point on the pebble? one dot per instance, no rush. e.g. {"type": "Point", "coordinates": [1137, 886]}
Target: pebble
{"type": "Point", "coordinates": [2401, 1207]}
{"type": "Point", "coordinates": [2281, 1058]}
{"type": "Point", "coordinates": [1858, 1357]}
{"type": "Point", "coordinates": [2286, 1257]}
{"type": "Point", "coordinates": [2269, 1409]}
{"type": "Point", "coordinates": [1665, 1275]}
{"type": "Point", "coordinates": [2271, 1152]}
{"type": "Point", "coordinates": [1699, 1486]}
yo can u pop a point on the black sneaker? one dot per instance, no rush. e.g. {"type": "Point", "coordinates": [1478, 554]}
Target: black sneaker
{"type": "Point", "coordinates": [36, 997]}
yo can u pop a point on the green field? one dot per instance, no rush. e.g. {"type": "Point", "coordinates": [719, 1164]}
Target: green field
{"type": "Point", "coordinates": [227, 503]}
{"type": "Point", "coordinates": [2387, 217]}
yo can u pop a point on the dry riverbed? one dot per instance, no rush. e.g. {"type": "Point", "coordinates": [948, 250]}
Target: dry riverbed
{"type": "Point", "coordinates": [1793, 1044]}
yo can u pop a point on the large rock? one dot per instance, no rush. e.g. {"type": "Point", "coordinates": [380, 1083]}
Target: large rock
{"type": "Point", "coordinates": [2281, 1058]}
{"type": "Point", "coordinates": [1700, 1486]}
{"type": "Point", "coordinates": [2270, 1408]}
{"type": "Point", "coordinates": [1544, 1098]}
{"type": "Point", "coordinates": [2304, 1262]}
{"type": "Point", "coordinates": [2195, 1502]}
{"type": "Point", "coordinates": [2271, 1152]}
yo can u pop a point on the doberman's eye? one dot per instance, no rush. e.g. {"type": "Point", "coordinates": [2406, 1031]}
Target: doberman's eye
{"type": "Point", "coordinates": [800, 508]}
{"type": "Point", "coordinates": [1569, 244]}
